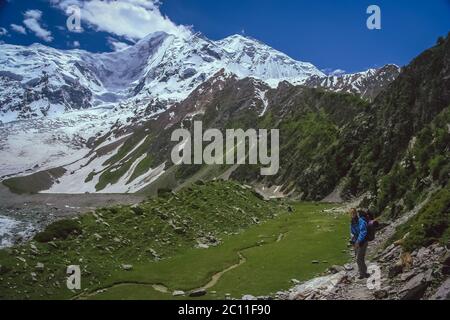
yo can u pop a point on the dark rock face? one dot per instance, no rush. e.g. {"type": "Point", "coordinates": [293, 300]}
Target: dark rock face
{"type": "Point", "coordinates": [69, 96]}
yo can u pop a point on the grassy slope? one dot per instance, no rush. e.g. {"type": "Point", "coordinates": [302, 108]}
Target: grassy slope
{"type": "Point", "coordinates": [35, 182]}
{"type": "Point", "coordinates": [171, 226]}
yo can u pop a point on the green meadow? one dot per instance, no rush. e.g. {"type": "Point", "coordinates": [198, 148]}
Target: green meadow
{"type": "Point", "coordinates": [274, 253]}
{"type": "Point", "coordinates": [247, 246]}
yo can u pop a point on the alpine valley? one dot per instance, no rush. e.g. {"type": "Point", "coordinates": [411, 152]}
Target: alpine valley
{"type": "Point", "coordinates": [99, 126]}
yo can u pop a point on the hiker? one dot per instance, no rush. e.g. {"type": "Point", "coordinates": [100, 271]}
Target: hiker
{"type": "Point", "coordinates": [361, 244]}
{"type": "Point", "coordinates": [354, 227]}
{"type": "Point", "coordinates": [359, 225]}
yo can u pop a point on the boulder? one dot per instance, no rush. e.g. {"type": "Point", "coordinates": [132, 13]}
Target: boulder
{"type": "Point", "coordinates": [197, 293]}
{"type": "Point", "coordinates": [154, 254]}
{"type": "Point", "coordinates": [439, 250]}
{"type": "Point", "coordinates": [348, 267]}
{"type": "Point", "coordinates": [415, 288]}
{"type": "Point", "coordinates": [249, 297]}
{"type": "Point", "coordinates": [392, 252]}
{"type": "Point", "coordinates": [53, 244]}
{"type": "Point", "coordinates": [40, 266]}
{"type": "Point", "coordinates": [127, 267]}
{"type": "Point", "coordinates": [380, 294]}
{"type": "Point", "coordinates": [443, 292]}
{"type": "Point", "coordinates": [423, 253]}
{"type": "Point", "coordinates": [335, 269]}
{"type": "Point", "coordinates": [407, 276]}
{"type": "Point", "coordinates": [446, 264]}
{"type": "Point", "coordinates": [21, 259]}
{"type": "Point", "coordinates": [97, 236]}
{"type": "Point", "coordinates": [178, 293]}
{"type": "Point", "coordinates": [395, 270]}
{"type": "Point", "coordinates": [317, 287]}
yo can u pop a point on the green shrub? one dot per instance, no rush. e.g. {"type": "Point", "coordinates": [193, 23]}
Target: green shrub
{"type": "Point", "coordinates": [436, 165]}
{"type": "Point", "coordinates": [137, 211]}
{"type": "Point", "coordinates": [164, 191]}
{"type": "Point", "coordinates": [59, 230]}
{"type": "Point", "coordinates": [430, 225]}
{"type": "Point", "coordinates": [444, 175]}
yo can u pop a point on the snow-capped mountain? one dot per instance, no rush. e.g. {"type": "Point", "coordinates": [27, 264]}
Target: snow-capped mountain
{"type": "Point", "coordinates": [39, 80]}
{"type": "Point", "coordinates": [366, 84]}
{"type": "Point", "coordinates": [252, 58]}
{"type": "Point", "coordinates": [67, 100]}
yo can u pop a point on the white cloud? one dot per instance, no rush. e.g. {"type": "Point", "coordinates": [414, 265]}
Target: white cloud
{"type": "Point", "coordinates": [32, 22]}
{"type": "Point", "coordinates": [3, 32]}
{"type": "Point", "coordinates": [132, 19]}
{"type": "Point", "coordinates": [33, 14]}
{"type": "Point", "coordinates": [117, 45]}
{"type": "Point", "coordinates": [19, 29]}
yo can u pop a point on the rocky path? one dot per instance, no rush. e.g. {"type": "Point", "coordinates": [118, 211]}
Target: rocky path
{"type": "Point", "coordinates": [395, 274]}
{"type": "Point", "coordinates": [422, 274]}
{"type": "Point", "coordinates": [356, 289]}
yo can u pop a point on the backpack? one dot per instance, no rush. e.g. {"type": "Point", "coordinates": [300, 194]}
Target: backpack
{"type": "Point", "coordinates": [372, 227]}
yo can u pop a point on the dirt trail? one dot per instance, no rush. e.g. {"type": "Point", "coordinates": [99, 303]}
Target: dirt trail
{"type": "Point", "coordinates": [162, 288]}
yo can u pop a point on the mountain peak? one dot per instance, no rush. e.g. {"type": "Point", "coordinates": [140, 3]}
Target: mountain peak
{"type": "Point", "coordinates": [152, 36]}
{"type": "Point", "coordinates": [160, 66]}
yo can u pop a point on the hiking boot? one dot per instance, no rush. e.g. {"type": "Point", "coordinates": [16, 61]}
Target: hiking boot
{"type": "Point", "coordinates": [364, 276]}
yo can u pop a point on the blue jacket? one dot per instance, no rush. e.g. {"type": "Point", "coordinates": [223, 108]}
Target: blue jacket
{"type": "Point", "coordinates": [354, 230]}
{"type": "Point", "coordinates": [358, 230]}
{"type": "Point", "coordinates": [362, 224]}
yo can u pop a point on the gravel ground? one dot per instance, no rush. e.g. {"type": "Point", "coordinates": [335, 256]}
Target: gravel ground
{"type": "Point", "coordinates": [22, 216]}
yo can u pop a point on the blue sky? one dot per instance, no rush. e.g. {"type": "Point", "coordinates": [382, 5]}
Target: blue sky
{"type": "Point", "coordinates": [331, 34]}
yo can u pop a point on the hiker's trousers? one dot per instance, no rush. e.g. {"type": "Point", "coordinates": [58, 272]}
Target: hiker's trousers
{"type": "Point", "coordinates": [361, 258]}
